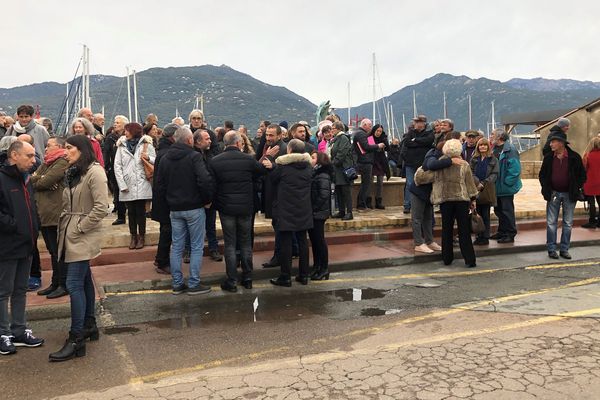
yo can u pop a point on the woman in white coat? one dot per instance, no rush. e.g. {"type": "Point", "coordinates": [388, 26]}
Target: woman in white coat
{"type": "Point", "coordinates": [135, 188]}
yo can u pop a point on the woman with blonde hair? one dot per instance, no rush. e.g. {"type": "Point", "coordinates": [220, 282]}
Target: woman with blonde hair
{"type": "Point", "coordinates": [454, 190]}
{"type": "Point", "coordinates": [484, 166]}
{"type": "Point", "coordinates": [591, 187]}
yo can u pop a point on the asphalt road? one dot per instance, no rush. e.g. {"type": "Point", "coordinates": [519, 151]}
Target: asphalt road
{"type": "Point", "coordinates": [156, 345]}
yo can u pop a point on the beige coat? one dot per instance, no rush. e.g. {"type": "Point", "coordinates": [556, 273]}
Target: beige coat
{"type": "Point", "coordinates": [454, 183]}
{"type": "Point", "coordinates": [80, 223]}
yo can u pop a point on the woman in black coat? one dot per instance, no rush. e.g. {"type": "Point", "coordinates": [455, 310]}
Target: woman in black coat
{"type": "Point", "coordinates": [320, 196]}
{"type": "Point", "coordinates": [381, 166]}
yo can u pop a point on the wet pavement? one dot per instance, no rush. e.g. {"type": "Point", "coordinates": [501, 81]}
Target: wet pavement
{"type": "Point", "coordinates": [516, 327]}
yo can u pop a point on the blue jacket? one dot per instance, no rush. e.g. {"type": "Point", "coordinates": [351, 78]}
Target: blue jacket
{"type": "Point", "coordinates": [509, 175]}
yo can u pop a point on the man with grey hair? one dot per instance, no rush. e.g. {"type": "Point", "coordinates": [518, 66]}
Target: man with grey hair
{"type": "Point", "coordinates": [186, 186]}
{"type": "Point", "coordinates": [18, 216]}
{"type": "Point", "coordinates": [365, 155]}
{"type": "Point", "coordinates": [234, 173]}
{"type": "Point", "coordinates": [562, 126]}
{"type": "Point", "coordinates": [508, 184]}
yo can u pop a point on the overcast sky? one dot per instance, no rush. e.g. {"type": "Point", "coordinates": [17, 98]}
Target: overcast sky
{"type": "Point", "coordinates": [313, 48]}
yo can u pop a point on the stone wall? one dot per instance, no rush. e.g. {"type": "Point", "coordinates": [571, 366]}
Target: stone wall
{"type": "Point", "coordinates": [530, 169]}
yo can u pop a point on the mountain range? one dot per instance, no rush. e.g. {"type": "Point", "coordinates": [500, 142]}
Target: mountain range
{"type": "Point", "coordinates": [230, 94]}
{"type": "Point", "coordinates": [513, 96]}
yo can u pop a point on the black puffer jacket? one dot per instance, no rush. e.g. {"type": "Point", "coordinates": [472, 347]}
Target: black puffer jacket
{"type": "Point", "coordinates": [18, 214]}
{"type": "Point", "coordinates": [160, 208]}
{"type": "Point", "coordinates": [292, 178]}
{"type": "Point", "coordinates": [183, 179]}
{"type": "Point", "coordinates": [234, 173]}
{"type": "Point", "coordinates": [415, 145]}
{"type": "Point", "coordinates": [320, 192]}
{"type": "Point", "coordinates": [577, 175]}
{"type": "Point", "coordinates": [367, 155]}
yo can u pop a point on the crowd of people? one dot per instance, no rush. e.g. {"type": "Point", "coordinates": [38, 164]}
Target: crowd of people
{"type": "Point", "coordinates": [184, 174]}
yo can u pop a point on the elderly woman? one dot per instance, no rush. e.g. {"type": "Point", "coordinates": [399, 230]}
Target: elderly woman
{"type": "Point", "coordinates": [84, 203]}
{"type": "Point", "coordinates": [134, 186]}
{"type": "Point", "coordinates": [81, 126]}
{"type": "Point", "coordinates": [454, 190]}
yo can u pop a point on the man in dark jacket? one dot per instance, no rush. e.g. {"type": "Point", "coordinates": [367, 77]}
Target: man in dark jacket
{"type": "Point", "coordinates": [18, 236]}
{"type": "Point", "coordinates": [298, 131]}
{"type": "Point", "coordinates": [205, 141]}
{"type": "Point", "coordinates": [160, 209]}
{"type": "Point", "coordinates": [234, 173]}
{"type": "Point", "coordinates": [365, 157]}
{"type": "Point", "coordinates": [185, 184]}
{"type": "Point", "coordinates": [109, 151]}
{"type": "Point", "coordinates": [562, 126]}
{"type": "Point", "coordinates": [415, 144]}
{"type": "Point", "coordinates": [562, 176]}
{"type": "Point", "coordinates": [292, 208]}
{"type": "Point", "coordinates": [274, 147]}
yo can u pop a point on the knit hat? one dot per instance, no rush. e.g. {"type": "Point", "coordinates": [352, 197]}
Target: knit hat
{"type": "Point", "coordinates": [558, 135]}
{"type": "Point", "coordinates": [283, 124]}
{"type": "Point", "coordinates": [563, 122]}
{"type": "Point", "coordinates": [169, 129]}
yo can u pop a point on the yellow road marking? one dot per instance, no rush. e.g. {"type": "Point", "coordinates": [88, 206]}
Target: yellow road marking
{"type": "Point", "coordinates": [371, 330]}
{"type": "Point", "coordinates": [447, 274]}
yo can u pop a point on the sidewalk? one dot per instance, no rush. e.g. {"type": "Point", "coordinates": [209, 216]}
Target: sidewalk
{"type": "Point", "coordinates": [347, 251]}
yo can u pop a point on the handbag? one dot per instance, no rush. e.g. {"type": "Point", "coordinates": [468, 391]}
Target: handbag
{"type": "Point", "coordinates": [477, 225]}
{"type": "Point", "coordinates": [148, 166]}
{"type": "Point", "coordinates": [488, 194]}
{"type": "Point", "coordinates": [423, 177]}
{"type": "Point", "coordinates": [350, 173]}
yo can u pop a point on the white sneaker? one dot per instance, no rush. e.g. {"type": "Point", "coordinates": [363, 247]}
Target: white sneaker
{"type": "Point", "coordinates": [434, 246]}
{"type": "Point", "coordinates": [423, 249]}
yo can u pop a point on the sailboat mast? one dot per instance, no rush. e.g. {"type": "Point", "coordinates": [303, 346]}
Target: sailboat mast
{"type": "Point", "coordinates": [128, 94]}
{"type": "Point", "coordinates": [392, 119]}
{"type": "Point", "coordinates": [135, 103]}
{"type": "Point", "coordinates": [88, 98]}
{"type": "Point", "coordinates": [493, 116]}
{"type": "Point", "coordinates": [470, 114]}
{"type": "Point", "coordinates": [414, 104]}
{"type": "Point", "coordinates": [67, 105]}
{"type": "Point", "coordinates": [403, 124]}
{"type": "Point", "coordinates": [374, 93]}
{"type": "Point", "coordinates": [445, 109]}
{"type": "Point", "coordinates": [349, 107]}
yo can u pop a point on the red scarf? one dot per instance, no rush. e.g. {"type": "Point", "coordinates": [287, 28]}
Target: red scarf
{"type": "Point", "coordinates": [49, 158]}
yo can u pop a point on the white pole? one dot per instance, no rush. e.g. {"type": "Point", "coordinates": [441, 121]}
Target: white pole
{"type": "Point", "coordinates": [388, 116]}
{"type": "Point", "coordinates": [67, 109]}
{"type": "Point", "coordinates": [414, 104]}
{"type": "Point", "coordinates": [103, 116]}
{"type": "Point", "coordinates": [392, 118]}
{"type": "Point", "coordinates": [128, 95]}
{"type": "Point", "coordinates": [374, 93]}
{"type": "Point", "coordinates": [135, 97]}
{"type": "Point", "coordinates": [88, 98]}
{"type": "Point", "coordinates": [445, 111]}
{"type": "Point", "coordinates": [470, 115]}
{"type": "Point", "coordinates": [403, 124]}
{"type": "Point", "coordinates": [202, 104]}
{"type": "Point", "coordinates": [349, 104]}
{"type": "Point", "coordinates": [493, 116]}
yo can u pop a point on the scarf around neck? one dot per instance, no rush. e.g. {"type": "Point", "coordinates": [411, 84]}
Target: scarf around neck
{"type": "Point", "coordinates": [23, 129]}
{"type": "Point", "coordinates": [49, 158]}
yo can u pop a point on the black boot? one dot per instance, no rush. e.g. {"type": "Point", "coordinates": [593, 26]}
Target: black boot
{"type": "Point", "coordinates": [90, 329]}
{"type": "Point", "coordinates": [369, 203]}
{"type": "Point", "coordinates": [315, 271]}
{"type": "Point", "coordinates": [323, 274]}
{"type": "Point", "coordinates": [379, 203]}
{"type": "Point", "coordinates": [74, 347]}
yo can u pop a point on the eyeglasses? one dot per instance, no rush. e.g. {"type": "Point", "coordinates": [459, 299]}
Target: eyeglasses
{"type": "Point", "coordinates": [196, 118]}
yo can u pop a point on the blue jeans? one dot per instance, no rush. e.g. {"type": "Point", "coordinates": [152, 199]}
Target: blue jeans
{"type": "Point", "coordinates": [14, 275]}
{"type": "Point", "coordinates": [552, 209]}
{"type": "Point", "coordinates": [187, 225]}
{"type": "Point", "coordinates": [83, 295]}
{"type": "Point", "coordinates": [410, 178]}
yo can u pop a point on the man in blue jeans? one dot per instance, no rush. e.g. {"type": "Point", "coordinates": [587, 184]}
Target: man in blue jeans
{"type": "Point", "coordinates": [185, 184]}
{"type": "Point", "coordinates": [415, 144]}
{"type": "Point", "coordinates": [562, 176]}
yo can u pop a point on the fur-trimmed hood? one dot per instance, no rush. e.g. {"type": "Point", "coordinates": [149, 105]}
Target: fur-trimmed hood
{"type": "Point", "coordinates": [144, 139]}
{"type": "Point", "coordinates": [293, 158]}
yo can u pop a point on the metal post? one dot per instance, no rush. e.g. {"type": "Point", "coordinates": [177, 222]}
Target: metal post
{"type": "Point", "coordinates": [135, 97]}
{"type": "Point", "coordinates": [128, 94]}
{"type": "Point", "coordinates": [349, 107]}
{"type": "Point", "coordinates": [374, 93]}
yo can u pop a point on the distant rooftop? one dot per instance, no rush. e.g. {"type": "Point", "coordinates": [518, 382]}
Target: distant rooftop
{"type": "Point", "coordinates": [533, 118]}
